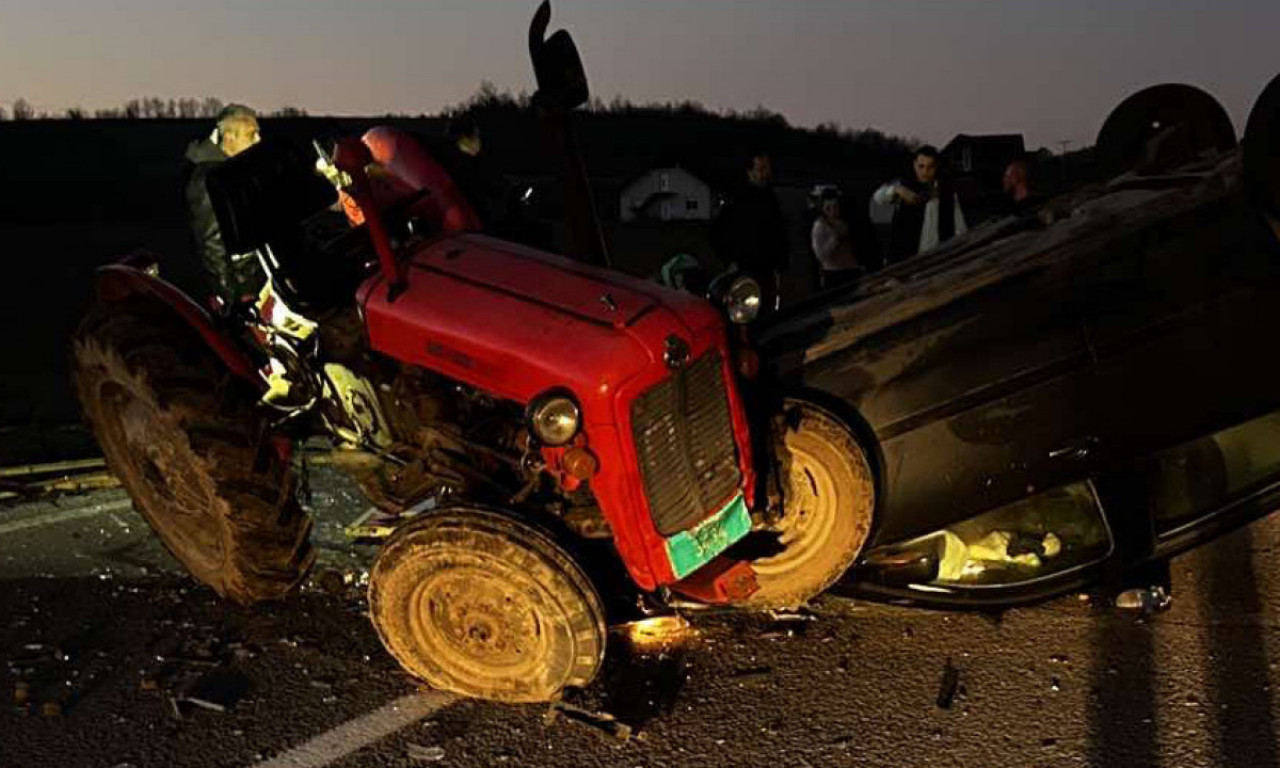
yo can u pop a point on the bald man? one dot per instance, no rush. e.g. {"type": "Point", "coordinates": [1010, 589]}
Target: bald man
{"type": "Point", "coordinates": [1017, 186]}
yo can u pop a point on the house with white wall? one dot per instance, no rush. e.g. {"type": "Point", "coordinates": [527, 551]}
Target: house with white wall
{"type": "Point", "coordinates": [665, 193]}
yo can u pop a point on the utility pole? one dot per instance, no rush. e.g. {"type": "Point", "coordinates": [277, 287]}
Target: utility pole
{"type": "Point", "coordinates": [1062, 157]}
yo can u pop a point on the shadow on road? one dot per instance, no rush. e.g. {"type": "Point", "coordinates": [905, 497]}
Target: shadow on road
{"type": "Point", "coordinates": [1240, 695]}
{"type": "Point", "coordinates": [1123, 712]}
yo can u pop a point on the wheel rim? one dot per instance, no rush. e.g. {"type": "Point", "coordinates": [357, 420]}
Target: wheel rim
{"type": "Point", "coordinates": [486, 624]}
{"type": "Point", "coordinates": [812, 510]}
{"type": "Point", "coordinates": [171, 487]}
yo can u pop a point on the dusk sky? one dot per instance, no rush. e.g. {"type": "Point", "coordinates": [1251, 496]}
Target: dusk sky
{"type": "Point", "coordinates": [1050, 69]}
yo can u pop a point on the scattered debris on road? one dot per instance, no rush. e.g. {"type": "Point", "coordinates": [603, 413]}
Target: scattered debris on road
{"type": "Point", "coordinates": [949, 686]}
{"type": "Point", "coordinates": [425, 754]}
{"type": "Point", "coordinates": [603, 721]}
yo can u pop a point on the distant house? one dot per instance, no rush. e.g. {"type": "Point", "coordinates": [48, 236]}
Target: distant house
{"type": "Point", "coordinates": [982, 156]}
{"type": "Point", "coordinates": [975, 165]}
{"type": "Point", "coordinates": [665, 193]}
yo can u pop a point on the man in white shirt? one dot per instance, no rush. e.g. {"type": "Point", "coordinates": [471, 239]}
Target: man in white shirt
{"type": "Point", "coordinates": [926, 211]}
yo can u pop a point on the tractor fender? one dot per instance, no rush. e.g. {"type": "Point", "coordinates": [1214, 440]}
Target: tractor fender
{"type": "Point", "coordinates": [130, 278]}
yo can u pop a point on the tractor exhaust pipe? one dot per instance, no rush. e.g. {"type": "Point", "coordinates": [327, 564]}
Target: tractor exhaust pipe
{"type": "Point", "coordinates": [562, 86]}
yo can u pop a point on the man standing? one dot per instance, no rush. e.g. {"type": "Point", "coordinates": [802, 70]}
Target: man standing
{"type": "Point", "coordinates": [1017, 186]}
{"type": "Point", "coordinates": [232, 277]}
{"type": "Point", "coordinates": [926, 211]}
{"type": "Point", "coordinates": [751, 233]}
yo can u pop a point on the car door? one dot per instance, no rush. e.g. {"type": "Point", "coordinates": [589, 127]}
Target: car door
{"type": "Point", "coordinates": [1182, 315]}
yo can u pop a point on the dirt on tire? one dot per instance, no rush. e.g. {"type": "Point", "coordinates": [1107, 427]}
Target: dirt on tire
{"type": "Point", "coordinates": [480, 603]}
{"type": "Point", "coordinates": [183, 436]}
{"type": "Point", "coordinates": [829, 500]}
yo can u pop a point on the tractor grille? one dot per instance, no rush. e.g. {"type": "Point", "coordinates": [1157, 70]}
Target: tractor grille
{"type": "Point", "coordinates": [684, 437]}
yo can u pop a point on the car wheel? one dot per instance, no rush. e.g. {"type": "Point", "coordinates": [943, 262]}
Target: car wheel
{"type": "Point", "coordinates": [828, 501]}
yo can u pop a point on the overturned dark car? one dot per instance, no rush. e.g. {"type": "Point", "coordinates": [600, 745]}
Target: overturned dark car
{"type": "Point", "coordinates": [1064, 400]}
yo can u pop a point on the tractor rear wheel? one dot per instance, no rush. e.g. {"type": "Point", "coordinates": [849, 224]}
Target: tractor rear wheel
{"type": "Point", "coordinates": [828, 495]}
{"type": "Point", "coordinates": [182, 435]}
{"type": "Point", "coordinates": [477, 602]}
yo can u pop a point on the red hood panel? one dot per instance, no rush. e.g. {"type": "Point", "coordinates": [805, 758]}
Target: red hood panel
{"type": "Point", "coordinates": [536, 276]}
{"type": "Point", "coordinates": [515, 321]}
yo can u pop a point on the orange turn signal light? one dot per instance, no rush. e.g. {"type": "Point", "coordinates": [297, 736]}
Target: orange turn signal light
{"type": "Point", "coordinates": [580, 463]}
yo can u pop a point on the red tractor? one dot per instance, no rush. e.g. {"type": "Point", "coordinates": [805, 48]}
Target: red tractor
{"type": "Point", "coordinates": [523, 420]}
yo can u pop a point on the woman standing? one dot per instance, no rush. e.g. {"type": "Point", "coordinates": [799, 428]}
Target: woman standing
{"type": "Point", "coordinates": [832, 243]}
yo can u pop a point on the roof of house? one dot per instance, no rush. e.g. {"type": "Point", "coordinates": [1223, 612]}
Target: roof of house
{"type": "Point", "coordinates": [1012, 142]}
{"type": "Point", "coordinates": [701, 171]}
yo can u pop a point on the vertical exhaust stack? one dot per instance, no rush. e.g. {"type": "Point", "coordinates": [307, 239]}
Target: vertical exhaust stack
{"type": "Point", "coordinates": [1262, 155]}
{"type": "Point", "coordinates": [562, 87]}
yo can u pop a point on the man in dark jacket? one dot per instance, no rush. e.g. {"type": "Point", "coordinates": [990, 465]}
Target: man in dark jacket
{"type": "Point", "coordinates": [232, 277]}
{"type": "Point", "coordinates": [751, 232]}
{"type": "Point", "coordinates": [926, 210]}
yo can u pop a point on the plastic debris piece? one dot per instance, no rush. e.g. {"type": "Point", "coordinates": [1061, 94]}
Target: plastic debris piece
{"type": "Point", "coordinates": [173, 708]}
{"type": "Point", "coordinates": [948, 686]}
{"type": "Point", "coordinates": [1146, 600]}
{"type": "Point", "coordinates": [218, 690]}
{"type": "Point", "coordinates": [425, 754]}
{"type": "Point", "coordinates": [603, 721]}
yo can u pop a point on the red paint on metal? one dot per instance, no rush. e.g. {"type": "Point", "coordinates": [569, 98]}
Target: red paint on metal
{"type": "Point", "coordinates": [353, 157]}
{"type": "Point", "coordinates": [406, 160]}
{"type": "Point", "coordinates": [517, 322]}
{"type": "Point", "coordinates": [117, 282]}
{"type": "Point", "coordinates": [720, 582]}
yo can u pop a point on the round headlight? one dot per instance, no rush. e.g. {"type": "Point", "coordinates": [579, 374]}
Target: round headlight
{"type": "Point", "coordinates": [554, 420]}
{"type": "Point", "coordinates": [742, 300]}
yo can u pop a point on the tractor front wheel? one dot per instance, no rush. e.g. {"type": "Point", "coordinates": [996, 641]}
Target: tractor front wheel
{"type": "Point", "coordinates": [828, 500]}
{"type": "Point", "coordinates": [478, 602]}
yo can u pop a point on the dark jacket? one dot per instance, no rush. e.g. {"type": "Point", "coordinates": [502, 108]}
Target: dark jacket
{"type": "Point", "coordinates": [231, 277]}
{"type": "Point", "coordinates": [750, 231]}
{"type": "Point", "coordinates": [904, 240]}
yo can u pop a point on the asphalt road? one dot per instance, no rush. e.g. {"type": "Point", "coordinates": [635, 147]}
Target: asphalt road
{"type": "Point", "coordinates": [100, 634]}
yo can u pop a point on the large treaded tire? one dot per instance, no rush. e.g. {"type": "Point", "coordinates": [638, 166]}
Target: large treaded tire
{"type": "Point", "coordinates": [829, 497]}
{"type": "Point", "coordinates": [182, 435]}
{"type": "Point", "coordinates": [478, 602]}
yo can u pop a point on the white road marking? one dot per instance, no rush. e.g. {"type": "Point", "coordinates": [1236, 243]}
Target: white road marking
{"type": "Point", "coordinates": [64, 516]}
{"type": "Point", "coordinates": [354, 735]}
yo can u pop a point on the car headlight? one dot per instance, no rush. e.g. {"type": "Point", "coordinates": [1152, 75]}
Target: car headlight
{"type": "Point", "coordinates": [742, 299]}
{"type": "Point", "coordinates": [554, 419]}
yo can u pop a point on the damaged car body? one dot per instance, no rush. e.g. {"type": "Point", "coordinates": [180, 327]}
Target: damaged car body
{"type": "Point", "coordinates": [1063, 400]}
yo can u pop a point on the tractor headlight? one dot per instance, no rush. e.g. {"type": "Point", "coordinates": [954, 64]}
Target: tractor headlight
{"type": "Point", "coordinates": [742, 299]}
{"type": "Point", "coordinates": [554, 419]}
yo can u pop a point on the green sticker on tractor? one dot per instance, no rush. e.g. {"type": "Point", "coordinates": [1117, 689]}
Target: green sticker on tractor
{"type": "Point", "coordinates": [690, 550]}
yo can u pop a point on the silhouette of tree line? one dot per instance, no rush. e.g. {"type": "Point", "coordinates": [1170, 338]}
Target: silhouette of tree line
{"type": "Point", "coordinates": [493, 102]}
{"type": "Point", "coordinates": [488, 100]}
{"type": "Point", "coordinates": [145, 108]}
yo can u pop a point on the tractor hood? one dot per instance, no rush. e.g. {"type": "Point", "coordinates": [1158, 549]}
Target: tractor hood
{"type": "Point", "coordinates": [516, 322]}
